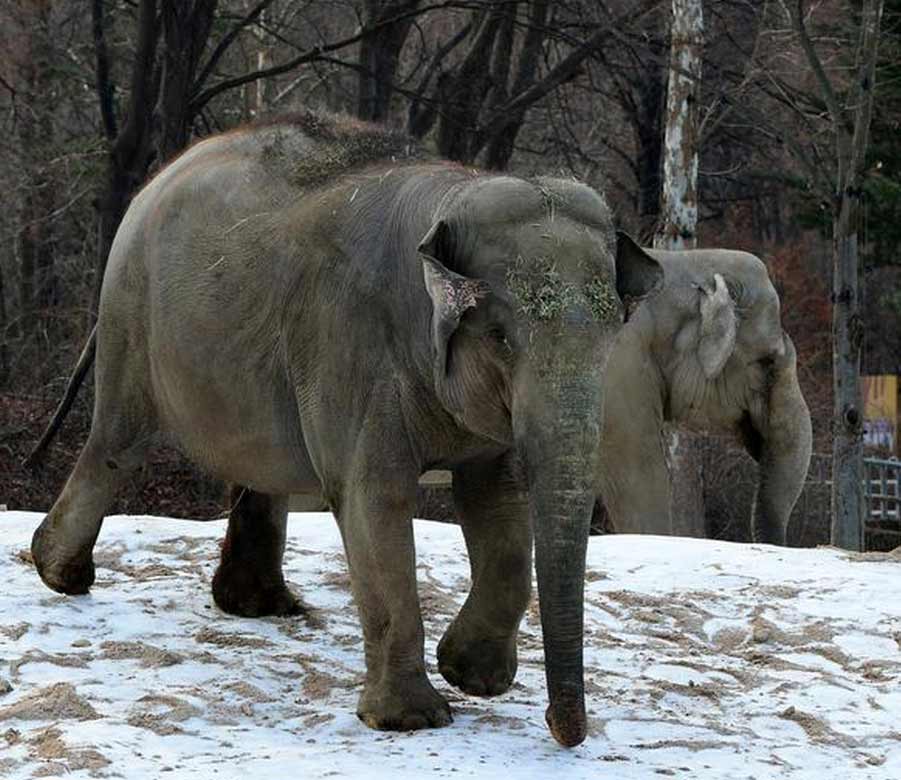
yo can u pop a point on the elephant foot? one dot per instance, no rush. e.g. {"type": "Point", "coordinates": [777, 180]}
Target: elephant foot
{"type": "Point", "coordinates": [72, 574]}
{"type": "Point", "coordinates": [406, 705]}
{"type": "Point", "coordinates": [475, 665]}
{"type": "Point", "coordinates": [239, 592]}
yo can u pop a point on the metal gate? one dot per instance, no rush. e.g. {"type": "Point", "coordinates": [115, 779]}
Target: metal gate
{"type": "Point", "coordinates": [882, 479]}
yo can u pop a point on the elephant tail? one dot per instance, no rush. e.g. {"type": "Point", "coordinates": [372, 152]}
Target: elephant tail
{"type": "Point", "coordinates": [81, 368]}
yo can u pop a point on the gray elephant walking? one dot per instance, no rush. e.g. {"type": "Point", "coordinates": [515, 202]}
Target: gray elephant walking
{"type": "Point", "coordinates": [305, 306]}
{"type": "Point", "coordinates": [707, 353]}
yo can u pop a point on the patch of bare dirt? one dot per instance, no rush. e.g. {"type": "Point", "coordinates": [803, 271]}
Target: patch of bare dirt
{"type": "Point", "coordinates": [815, 728]}
{"type": "Point", "coordinates": [162, 714]}
{"type": "Point", "coordinates": [694, 745]}
{"type": "Point", "coordinates": [703, 690]}
{"type": "Point", "coordinates": [339, 580]}
{"type": "Point", "coordinates": [212, 637]}
{"type": "Point", "coordinates": [148, 655]}
{"type": "Point", "coordinates": [71, 660]}
{"type": "Point", "coordinates": [187, 548]}
{"type": "Point", "coordinates": [894, 556]}
{"type": "Point", "coordinates": [15, 631]}
{"type": "Point", "coordinates": [730, 638]}
{"type": "Point", "coordinates": [319, 685]}
{"type": "Point", "coordinates": [24, 558]}
{"type": "Point", "coordinates": [879, 670]}
{"type": "Point", "coordinates": [53, 702]}
{"type": "Point", "coordinates": [250, 692]}
{"type": "Point", "coordinates": [503, 721]}
{"type": "Point", "coordinates": [48, 745]}
{"type": "Point", "coordinates": [110, 557]}
{"type": "Point", "coordinates": [318, 719]}
{"type": "Point", "coordinates": [434, 600]}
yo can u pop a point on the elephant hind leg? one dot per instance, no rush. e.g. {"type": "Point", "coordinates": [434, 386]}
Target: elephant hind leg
{"type": "Point", "coordinates": [249, 580]}
{"type": "Point", "coordinates": [124, 425]}
{"type": "Point", "coordinates": [62, 546]}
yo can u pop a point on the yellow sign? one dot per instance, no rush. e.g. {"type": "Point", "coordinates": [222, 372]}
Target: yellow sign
{"type": "Point", "coordinates": [880, 394]}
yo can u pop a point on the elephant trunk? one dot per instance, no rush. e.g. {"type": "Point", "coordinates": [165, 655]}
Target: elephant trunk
{"type": "Point", "coordinates": [561, 458]}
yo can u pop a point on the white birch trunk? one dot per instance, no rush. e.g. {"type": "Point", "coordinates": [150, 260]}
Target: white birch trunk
{"type": "Point", "coordinates": [679, 202]}
{"type": "Point", "coordinates": [679, 226]}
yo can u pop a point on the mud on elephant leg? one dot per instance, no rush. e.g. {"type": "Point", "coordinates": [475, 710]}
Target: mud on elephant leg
{"type": "Point", "coordinates": [478, 652]}
{"type": "Point", "coordinates": [376, 525]}
{"type": "Point", "coordinates": [62, 546]}
{"type": "Point", "coordinates": [249, 580]}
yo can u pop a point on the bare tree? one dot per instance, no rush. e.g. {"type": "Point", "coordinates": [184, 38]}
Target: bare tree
{"type": "Point", "coordinates": [850, 125]}
{"type": "Point", "coordinates": [380, 53]}
{"type": "Point", "coordinates": [129, 140]}
{"type": "Point", "coordinates": [679, 203]}
{"type": "Point", "coordinates": [678, 227]}
{"type": "Point", "coordinates": [186, 26]}
{"type": "Point", "coordinates": [37, 281]}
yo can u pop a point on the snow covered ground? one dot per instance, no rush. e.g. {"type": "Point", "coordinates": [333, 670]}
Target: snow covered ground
{"type": "Point", "coordinates": [704, 660]}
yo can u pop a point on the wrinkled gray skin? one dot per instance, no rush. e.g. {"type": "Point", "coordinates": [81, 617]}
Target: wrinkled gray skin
{"type": "Point", "coordinates": [301, 315]}
{"type": "Point", "coordinates": [707, 353]}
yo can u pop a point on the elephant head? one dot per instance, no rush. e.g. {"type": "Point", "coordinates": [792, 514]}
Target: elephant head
{"type": "Point", "coordinates": [719, 313]}
{"type": "Point", "coordinates": [527, 285]}
{"type": "Point", "coordinates": [723, 364]}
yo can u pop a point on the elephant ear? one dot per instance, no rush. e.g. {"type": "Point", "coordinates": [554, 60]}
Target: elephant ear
{"type": "Point", "coordinates": [716, 340]}
{"type": "Point", "coordinates": [451, 293]}
{"type": "Point", "coordinates": [637, 273]}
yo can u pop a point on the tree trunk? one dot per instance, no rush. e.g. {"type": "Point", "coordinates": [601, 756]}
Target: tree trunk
{"type": "Point", "coordinates": [129, 146]}
{"type": "Point", "coordinates": [462, 93]}
{"type": "Point", "coordinates": [4, 335]}
{"type": "Point", "coordinates": [848, 504]}
{"type": "Point", "coordinates": [256, 97]}
{"type": "Point", "coordinates": [678, 230]}
{"type": "Point", "coordinates": [37, 278]}
{"type": "Point", "coordinates": [680, 165]}
{"type": "Point", "coordinates": [186, 29]}
{"type": "Point", "coordinates": [379, 56]}
{"type": "Point", "coordinates": [649, 137]}
{"type": "Point", "coordinates": [500, 143]}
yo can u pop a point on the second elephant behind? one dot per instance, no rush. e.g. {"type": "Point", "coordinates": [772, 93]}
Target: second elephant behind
{"type": "Point", "coordinates": [708, 353]}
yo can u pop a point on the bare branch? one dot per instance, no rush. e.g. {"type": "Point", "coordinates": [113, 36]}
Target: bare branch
{"type": "Point", "coordinates": [565, 70]}
{"type": "Point", "coordinates": [871, 19]}
{"type": "Point", "coordinates": [227, 41]}
{"type": "Point", "coordinates": [419, 122]}
{"type": "Point", "coordinates": [103, 84]}
{"type": "Point", "coordinates": [829, 95]}
{"type": "Point", "coordinates": [143, 80]}
{"type": "Point", "coordinates": [201, 99]}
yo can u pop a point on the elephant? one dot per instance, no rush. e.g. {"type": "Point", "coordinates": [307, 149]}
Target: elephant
{"type": "Point", "coordinates": [313, 305]}
{"type": "Point", "coordinates": [707, 353]}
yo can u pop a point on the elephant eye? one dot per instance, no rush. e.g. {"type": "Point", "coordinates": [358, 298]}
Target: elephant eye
{"type": "Point", "coordinates": [497, 334]}
{"type": "Point", "coordinates": [739, 296]}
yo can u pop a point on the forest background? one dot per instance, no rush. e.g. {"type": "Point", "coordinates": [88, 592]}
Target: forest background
{"type": "Point", "coordinates": [96, 96]}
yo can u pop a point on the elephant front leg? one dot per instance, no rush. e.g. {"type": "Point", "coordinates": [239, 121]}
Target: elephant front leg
{"type": "Point", "coordinates": [375, 519]}
{"type": "Point", "coordinates": [249, 580]}
{"type": "Point", "coordinates": [636, 487]}
{"type": "Point", "coordinates": [478, 652]}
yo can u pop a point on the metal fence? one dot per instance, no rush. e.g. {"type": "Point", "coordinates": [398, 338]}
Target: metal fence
{"type": "Point", "coordinates": [730, 476]}
{"type": "Point", "coordinates": [881, 489]}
